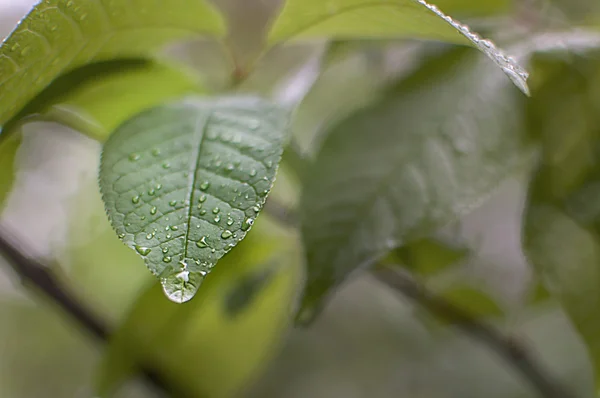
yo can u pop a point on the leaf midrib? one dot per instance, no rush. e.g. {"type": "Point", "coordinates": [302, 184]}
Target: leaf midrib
{"type": "Point", "coordinates": [201, 126]}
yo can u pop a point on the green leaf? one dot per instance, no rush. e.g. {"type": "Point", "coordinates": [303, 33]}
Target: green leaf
{"type": "Point", "coordinates": [97, 98]}
{"type": "Point", "coordinates": [204, 348]}
{"type": "Point", "coordinates": [472, 300]}
{"type": "Point", "coordinates": [428, 256]}
{"type": "Point", "coordinates": [183, 183]}
{"type": "Point", "coordinates": [58, 36]}
{"type": "Point", "coordinates": [475, 7]}
{"type": "Point", "coordinates": [8, 152]}
{"type": "Point", "coordinates": [305, 19]}
{"type": "Point", "coordinates": [562, 220]}
{"type": "Point", "coordinates": [429, 152]}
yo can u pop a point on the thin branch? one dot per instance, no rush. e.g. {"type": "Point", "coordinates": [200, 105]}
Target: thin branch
{"type": "Point", "coordinates": [506, 347]}
{"type": "Point", "coordinates": [40, 277]}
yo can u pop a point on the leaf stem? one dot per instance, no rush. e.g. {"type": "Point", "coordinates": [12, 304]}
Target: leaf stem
{"type": "Point", "coordinates": [40, 277]}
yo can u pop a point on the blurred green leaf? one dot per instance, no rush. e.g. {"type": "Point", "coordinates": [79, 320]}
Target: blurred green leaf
{"type": "Point", "coordinates": [562, 222]}
{"type": "Point", "coordinates": [430, 151]}
{"type": "Point", "coordinates": [183, 183]}
{"type": "Point", "coordinates": [8, 152]}
{"type": "Point", "coordinates": [428, 256]}
{"type": "Point", "coordinates": [427, 153]}
{"type": "Point", "coordinates": [199, 346]}
{"type": "Point", "coordinates": [97, 98]}
{"type": "Point", "coordinates": [302, 19]}
{"type": "Point", "coordinates": [472, 300]}
{"type": "Point", "coordinates": [473, 8]}
{"type": "Point", "coordinates": [42, 353]}
{"type": "Point", "coordinates": [59, 36]}
{"type": "Point", "coordinates": [94, 262]}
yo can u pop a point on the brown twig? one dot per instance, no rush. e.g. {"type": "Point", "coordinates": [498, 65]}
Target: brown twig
{"type": "Point", "coordinates": [38, 276]}
{"type": "Point", "coordinates": [505, 346]}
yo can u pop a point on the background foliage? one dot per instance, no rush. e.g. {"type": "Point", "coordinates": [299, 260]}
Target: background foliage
{"type": "Point", "coordinates": [423, 156]}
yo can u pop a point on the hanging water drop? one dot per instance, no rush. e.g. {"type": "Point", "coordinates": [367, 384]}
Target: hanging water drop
{"type": "Point", "coordinates": [183, 276]}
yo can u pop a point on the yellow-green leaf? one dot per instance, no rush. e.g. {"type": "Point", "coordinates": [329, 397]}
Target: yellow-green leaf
{"type": "Point", "coordinates": [58, 36]}
{"type": "Point", "coordinates": [97, 98]}
{"type": "Point", "coordinates": [359, 19]}
{"type": "Point", "coordinates": [203, 347]}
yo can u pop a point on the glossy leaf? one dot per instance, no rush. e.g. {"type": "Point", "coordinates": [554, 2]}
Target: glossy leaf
{"type": "Point", "coordinates": [61, 35]}
{"type": "Point", "coordinates": [562, 223]}
{"type": "Point", "coordinates": [203, 347]}
{"type": "Point", "coordinates": [427, 153]}
{"type": "Point", "coordinates": [183, 183]}
{"type": "Point", "coordinates": [305, 19]}
{"type": "Point", "coordinates": [96, 99]}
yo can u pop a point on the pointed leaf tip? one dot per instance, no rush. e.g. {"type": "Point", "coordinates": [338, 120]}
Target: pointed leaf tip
{"type": "Point", "coordinates": [183, 183]}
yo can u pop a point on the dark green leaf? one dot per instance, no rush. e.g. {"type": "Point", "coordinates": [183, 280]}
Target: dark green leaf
{"type": "Point", "coordinates": [61, 35]}
{"type": "Point", "coordinates": [427, 153]}
{"type": "Point", "coordinates": [184, 182]}
{"type": "Point", "coordinates": [200, 347]}
{"type": "Point", "coordinates": [383, 19]}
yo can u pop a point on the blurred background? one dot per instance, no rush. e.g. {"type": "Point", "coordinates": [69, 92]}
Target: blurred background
{"type": "Point", "coordinates": [369, 342]}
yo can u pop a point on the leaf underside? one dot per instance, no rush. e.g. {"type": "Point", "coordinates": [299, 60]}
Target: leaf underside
{"type": "Point", "coordinates": [60, 35]}
{"type": "Point", "coordinates": [424, 155]}
{"type": "Point", "coordinates": [306, 19]}
{"type": "Point", "coordinates": [183, 183]}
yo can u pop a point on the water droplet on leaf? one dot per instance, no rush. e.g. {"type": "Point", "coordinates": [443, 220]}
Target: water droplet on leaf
{"type": "Point", "coordinates": [202, 243]}
{"type": "Point", "coordinates": [144, 251]}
